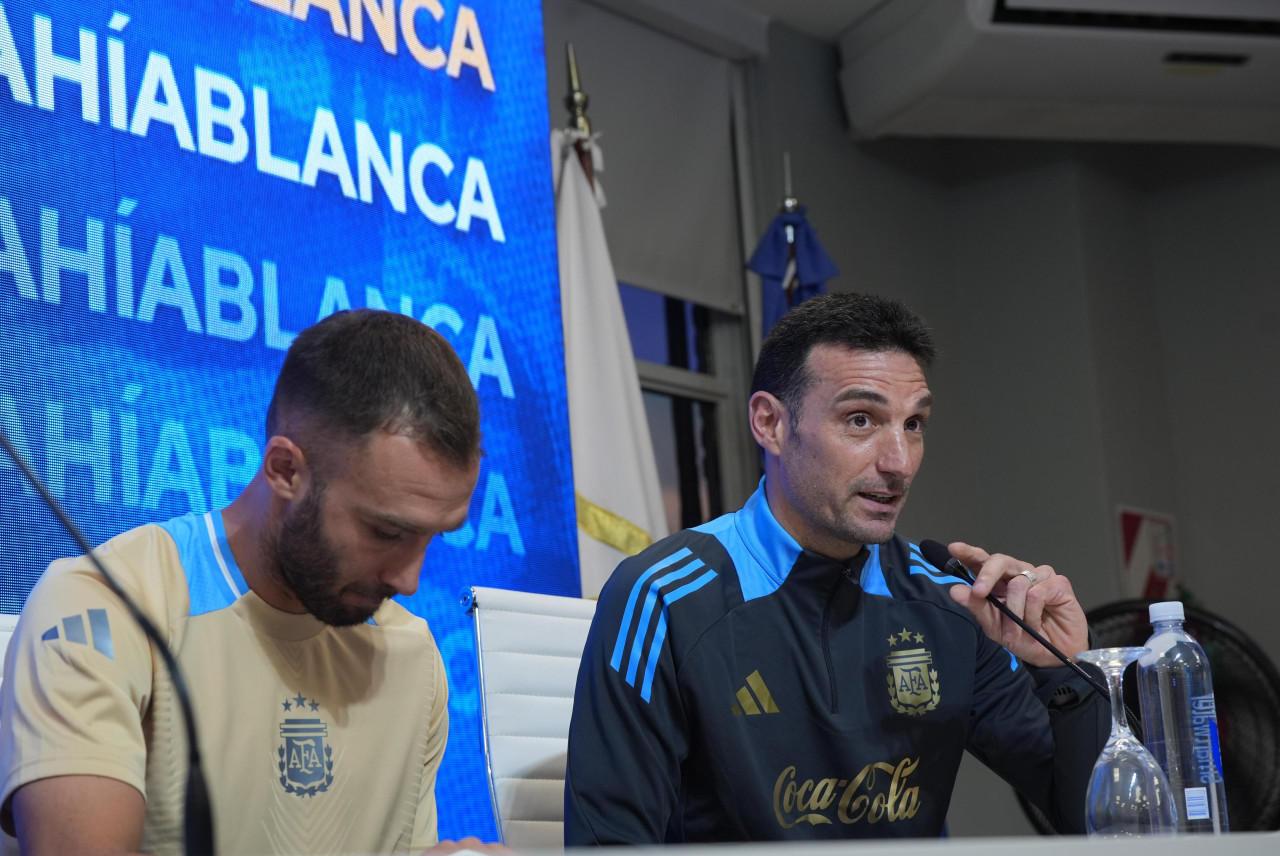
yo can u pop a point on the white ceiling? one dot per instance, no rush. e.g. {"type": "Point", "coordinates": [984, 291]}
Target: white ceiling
{"type": "Point", "coordinates": [1011, 83]}
{"type": "Point", "coordinates": [823, 19]}
{"type": "Point", "coordinates": [827, 19]}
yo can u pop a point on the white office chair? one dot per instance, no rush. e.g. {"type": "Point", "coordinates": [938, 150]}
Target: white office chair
{"type": "Point", "coordinates": [529, 646]}
{"type": "Point", "coordinates": [7, 625]}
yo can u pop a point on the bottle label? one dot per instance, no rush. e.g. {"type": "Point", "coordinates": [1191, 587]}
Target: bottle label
{"type": "Point", "coordinates": [1204, 727]}
{"type": "Point", "coordinates": [1197, 803]}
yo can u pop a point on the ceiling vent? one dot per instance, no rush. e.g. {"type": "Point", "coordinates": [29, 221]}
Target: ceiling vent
{"type": "Point", "coordinates": [1119, 70]}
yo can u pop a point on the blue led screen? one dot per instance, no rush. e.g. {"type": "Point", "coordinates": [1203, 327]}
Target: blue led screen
{"type": "Point", "coordinates": [184, 186]}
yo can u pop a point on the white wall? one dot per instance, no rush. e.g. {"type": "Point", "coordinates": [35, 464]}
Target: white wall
{"type": "Point", "coordinates": [1108, 318]}
{"type": "Point", "coordinates": [1138, 458]}
{"type": "Point", "coordinates": [1213, 228]}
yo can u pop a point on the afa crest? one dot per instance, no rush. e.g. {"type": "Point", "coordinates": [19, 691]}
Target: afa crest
{"type": "Point", "coordinates": [305, 756]}
{"type": "Point", "coordinates": [913, 684]}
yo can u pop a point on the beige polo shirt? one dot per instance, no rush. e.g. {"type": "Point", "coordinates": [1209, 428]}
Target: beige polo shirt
{"type": "Point", "coordinates": [314, 739]}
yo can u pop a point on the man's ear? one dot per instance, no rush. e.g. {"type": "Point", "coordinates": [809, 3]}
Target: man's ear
{"type": "Point", "coordinates": [769, 420]}
{"type": "Point", "coordinates": [284, 466]}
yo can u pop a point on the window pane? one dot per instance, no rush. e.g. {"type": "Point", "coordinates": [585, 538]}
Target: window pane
{"type": "Point", "coordinates": [683, 431]}
{"type": "Point", "coordinates": [666, 330]}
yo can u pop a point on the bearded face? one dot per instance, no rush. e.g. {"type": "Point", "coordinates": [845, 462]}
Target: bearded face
{"type": "Point", "coordinates": [306, 561]}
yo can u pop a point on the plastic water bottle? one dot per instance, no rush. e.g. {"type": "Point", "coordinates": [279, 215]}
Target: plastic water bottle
{"type": "Point", "coordinates": [1181, 722]}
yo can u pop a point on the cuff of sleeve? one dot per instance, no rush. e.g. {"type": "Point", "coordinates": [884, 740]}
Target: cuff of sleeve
{"type": "Point", "coordinates": [1061, 686]}
{"type": "Point", "coordinates": [47, 768]}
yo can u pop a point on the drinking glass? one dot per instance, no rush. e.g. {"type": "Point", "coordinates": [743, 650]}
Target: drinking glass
{"type": "Point", "coordinates": [1128, 792]}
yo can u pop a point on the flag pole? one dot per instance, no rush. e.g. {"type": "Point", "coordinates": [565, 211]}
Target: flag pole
{"type": "Point", "coordinates": [789, 201]}
{"type": "Point", "coordinates": [792, 264]}
{"type": "Point", "coordinates": [617, 492]}
{"type": "Point", "coordinates": [790, 205]}
{"type": "Point", "coordinates": [576, 103]}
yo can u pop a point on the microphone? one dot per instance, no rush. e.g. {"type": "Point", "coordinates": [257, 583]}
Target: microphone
{"type": "Point", "coordinates": [938, 556]}
{"type": "Point", "coordinates": [198, 816]}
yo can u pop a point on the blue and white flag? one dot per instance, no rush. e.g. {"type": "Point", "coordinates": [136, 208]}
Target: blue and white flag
{"type": "Point", "coordinates": [792, 265]}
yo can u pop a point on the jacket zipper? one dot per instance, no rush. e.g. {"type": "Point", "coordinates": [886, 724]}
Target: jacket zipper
{"type": "Point", "coordinates": [826, 639]}
{"type": "Point", "coordinates": [826, 645]}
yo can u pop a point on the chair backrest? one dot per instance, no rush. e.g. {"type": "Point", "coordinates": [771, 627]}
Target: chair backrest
{"type": "Point", "coordinates": [529, 647]}
{"type": "Point", "coordinates": [7, 625]}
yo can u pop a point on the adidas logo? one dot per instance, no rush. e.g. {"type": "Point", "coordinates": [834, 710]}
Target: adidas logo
{"type": "Point", "coordinates": [72, 628]}
{"type": "Point", "coordinates": [760, 702]}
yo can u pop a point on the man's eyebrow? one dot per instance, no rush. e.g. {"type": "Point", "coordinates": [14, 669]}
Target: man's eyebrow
{"type": "Point", "coordinates": [876, 398]}
{"type": "Point", "coordinates": [393, 520]}
{"type": "Point", "coordinates": [861, 395]}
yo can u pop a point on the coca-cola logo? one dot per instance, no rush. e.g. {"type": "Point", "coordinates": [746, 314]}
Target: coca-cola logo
{"type": "Point", "coordinates": [878, 792]}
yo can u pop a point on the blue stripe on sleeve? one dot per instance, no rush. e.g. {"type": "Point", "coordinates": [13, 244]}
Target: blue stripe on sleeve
{"type": "Point", "coordinates": [659, 635]}
{"type": "Point", "coordinates": [73, 629]}
{"type": "Point", "coordinates": [616, 660]}
{"type": "Point", "coordinates": [917, 564]}
{"type": "Point", "coordinates": [651, 600]}
{"type": "Point", "coordinates": [101, 633]}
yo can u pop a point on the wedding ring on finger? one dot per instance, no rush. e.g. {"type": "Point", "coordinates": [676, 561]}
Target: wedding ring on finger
{"type": "Point", "coordinates": [1031, 577]}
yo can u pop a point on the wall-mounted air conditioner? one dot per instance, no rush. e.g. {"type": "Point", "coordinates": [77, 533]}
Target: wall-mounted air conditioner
{"type": "Point", "coordinates": [1124, 70]}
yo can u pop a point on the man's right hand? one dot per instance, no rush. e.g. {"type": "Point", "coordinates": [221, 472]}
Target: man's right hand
{"type": "Point", "coordinates": [83, 815]}
{"type": "Point", "coordinates": [1039, 595]}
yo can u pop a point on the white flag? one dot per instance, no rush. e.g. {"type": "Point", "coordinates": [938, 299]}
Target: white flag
{"type": "Point", "coordinates": [615, 477]}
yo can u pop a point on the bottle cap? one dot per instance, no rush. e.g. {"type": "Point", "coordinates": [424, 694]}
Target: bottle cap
{"type": "Point", "coordinates": [1170, 610]}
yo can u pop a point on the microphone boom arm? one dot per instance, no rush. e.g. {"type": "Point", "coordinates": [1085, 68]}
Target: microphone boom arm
{"type": "Point", "coordinates": [957, 568]}
{"type": "Point", "coordinates": [198, 815]}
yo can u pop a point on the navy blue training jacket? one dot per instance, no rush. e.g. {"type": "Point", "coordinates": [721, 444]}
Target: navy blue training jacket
{"type": "Point", "coordinates": [736, 687]}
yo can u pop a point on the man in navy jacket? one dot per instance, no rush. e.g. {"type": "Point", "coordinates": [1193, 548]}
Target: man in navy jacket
{"type": "Point", "coordinates": [795, 669]}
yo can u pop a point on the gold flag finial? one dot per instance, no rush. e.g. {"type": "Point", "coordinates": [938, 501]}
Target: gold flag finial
{"type": "Point", "coordinates": [576, 101]}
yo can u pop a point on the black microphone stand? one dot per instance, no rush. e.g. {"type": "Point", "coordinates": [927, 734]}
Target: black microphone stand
{"type": "Point", "coordinates": [198, 817]}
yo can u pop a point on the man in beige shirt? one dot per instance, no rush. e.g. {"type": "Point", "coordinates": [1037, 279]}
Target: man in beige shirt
{"type": "Point", "coordinates": [320, 704]}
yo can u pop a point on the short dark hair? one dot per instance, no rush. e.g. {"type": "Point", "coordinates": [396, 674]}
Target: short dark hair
{"type": "Point", "coordinates": [362, 370]}
{"type": "Point", "coordinates": [859, 322]}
